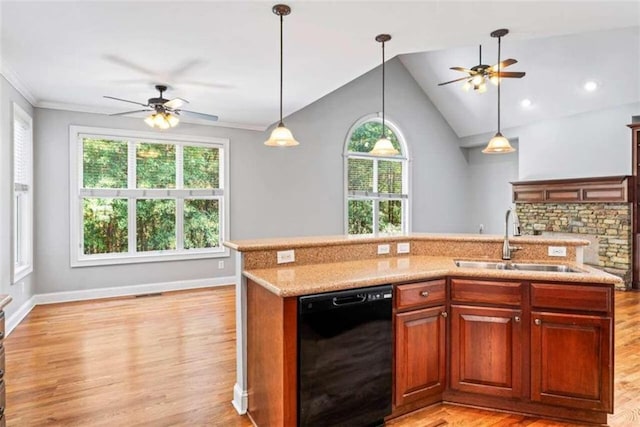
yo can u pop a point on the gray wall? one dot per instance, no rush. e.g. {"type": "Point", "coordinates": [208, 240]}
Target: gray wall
{"type": "Point", "coordinates": [23, 290]}
{"type": "Point", "coordinates": [274, 192]}
{"type": "Point", "coordinates": [490, 188]}
{"type": "Point", "coordinates": [313, 174]}
{"type": "Point", "coordinates": [54, 273]}
{"type": "Point", "coordinates": [597, 143]}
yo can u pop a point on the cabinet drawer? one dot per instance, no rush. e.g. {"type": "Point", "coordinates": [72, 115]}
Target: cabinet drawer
{"type": "Point", "coordinates": [572, 297]}
{"type": "Point", "coordinates": [421, 294]}
{"type": "Point", "coordinates": [484, 291]}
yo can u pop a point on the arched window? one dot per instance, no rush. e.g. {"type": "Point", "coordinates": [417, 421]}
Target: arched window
{"type": "Point", "coordinates": [376, 188]}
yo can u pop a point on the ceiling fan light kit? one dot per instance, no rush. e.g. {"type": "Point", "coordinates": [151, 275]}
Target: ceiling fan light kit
{"type": "Point", "coordinates": [383, 146]}
{"type": "Point", "coordinates": [164, 112]}
{"type": "Point", "coordinates": [479, 74]}
{"type": "Point", "coordinates": [499, 144]}
{"type": "Point", "coordinates": [281, 136]}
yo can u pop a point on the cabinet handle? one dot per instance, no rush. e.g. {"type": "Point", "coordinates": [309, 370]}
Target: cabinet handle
{"type": "Point", "coordinates": [517, 319]}
{"type": "Point", "coordinates": [537, 322]}
{"type": "Point", "coordinates": [444, 314]}
{"type": "Point", "coordinates": [424, 294]}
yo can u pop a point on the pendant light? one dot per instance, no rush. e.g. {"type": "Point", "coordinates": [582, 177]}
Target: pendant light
{"type": "Point", "coordinates": [281, 136]}
{"type": "Point", "coordinates": [499, 144]}
{"type": "Point", "coordinates": [383, 146]}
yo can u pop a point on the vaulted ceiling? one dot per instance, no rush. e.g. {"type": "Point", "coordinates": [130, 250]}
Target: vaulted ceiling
{"type": "Point", "coordinates": [223, 56]}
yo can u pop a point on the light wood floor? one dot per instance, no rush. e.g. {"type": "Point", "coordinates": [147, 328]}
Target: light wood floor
{"type": "Point", "coordinates": [170, 361]}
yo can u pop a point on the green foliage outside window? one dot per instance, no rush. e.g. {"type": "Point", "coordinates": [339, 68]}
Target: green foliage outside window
{"type": "Point", "coordinates": [360, 177]}
{"type": "Point", "coordinates": [105, 220]}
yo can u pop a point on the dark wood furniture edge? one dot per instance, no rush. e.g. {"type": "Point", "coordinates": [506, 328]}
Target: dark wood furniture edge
{"type": "Point", "coordinates": [575, 190]}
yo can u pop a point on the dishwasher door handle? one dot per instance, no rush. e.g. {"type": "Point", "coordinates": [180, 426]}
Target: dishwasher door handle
{"type": "Point", "coordinates": [349, 300]}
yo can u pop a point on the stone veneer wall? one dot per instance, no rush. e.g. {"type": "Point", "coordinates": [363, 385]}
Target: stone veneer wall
{"type": "Point", "coordinates": [610, 222]}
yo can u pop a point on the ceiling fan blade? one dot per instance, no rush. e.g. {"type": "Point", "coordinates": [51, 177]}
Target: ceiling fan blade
{"type": "Point", "coordinates": [129, 112]}
{"type": "Point", "coordinates": [504, 64]}
{"type": "Point", "coordinates": [125, 100]}
{"type": "Point", "coordinates": [453, 81]}
{"type": "Point", "coordinates": [198, 115]}
{"type": "Point", "coordinates": [510, 74]}
{"type": "Point", "coordinates": [175, 103]}
{"type": "Point", "coordinates": [464, 70]}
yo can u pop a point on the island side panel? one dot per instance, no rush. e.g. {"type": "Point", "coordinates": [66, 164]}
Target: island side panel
{"type": "Point", "coordinates": [271, 357]}
{"type": "Point", "coordinates": [240, 389]}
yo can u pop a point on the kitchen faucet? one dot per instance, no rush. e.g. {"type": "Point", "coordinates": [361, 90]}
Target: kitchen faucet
{"type": "Point", "coordinates": [506, 248]}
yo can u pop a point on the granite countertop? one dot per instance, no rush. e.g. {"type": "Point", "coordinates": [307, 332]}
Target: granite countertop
{"type": "Point", "coordinates": [292, 280]}
{"type": "Point", "coordinates": [316, 241]}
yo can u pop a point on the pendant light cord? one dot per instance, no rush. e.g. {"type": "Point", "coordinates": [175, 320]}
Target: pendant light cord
{"type": "Point", "coordinates": [499, 83]}
{"type": "Point", "coordinates": [383, 79]}
{"type": "Point", "coordinates": [281, 61]}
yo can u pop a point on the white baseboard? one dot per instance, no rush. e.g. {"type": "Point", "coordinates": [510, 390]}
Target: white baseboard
{"type": "Point", "coordinates": [115, 291]}
{"type": "Point", "coordinates": [17, 316]}
{"type": "Point", "coordinates": [240, 399]}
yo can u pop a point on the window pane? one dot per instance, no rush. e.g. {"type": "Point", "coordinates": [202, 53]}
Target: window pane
{"type": "Point", "coordinates": [365, 136]}
{"type": "Point", "coordinates": [155, 165]}
{"type": "Point", "coordinates": [360, 174]}
{"type": "Point", "coordinates": [360, 216]}
{"type": "Point", "coordinates": [390, 216]}
{"type": "Point", "coordinates": [156, 224]}
{"type": "Point", "coordinates": [104, 163]}
{"type": "Point", "coordinates": [105, 225]}
{"type": "Point", "coordinates": [201, 223]}
{"type": "Point", "coordinates": [201, 167]}
{"type": "Point", "coordinates": [389, 177]}
{"type": "Point", "coordinates": [17, 227]}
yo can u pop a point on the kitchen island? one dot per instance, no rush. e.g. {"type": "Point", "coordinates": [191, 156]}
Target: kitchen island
{"type": "Point", "coordinates": [536, 323]}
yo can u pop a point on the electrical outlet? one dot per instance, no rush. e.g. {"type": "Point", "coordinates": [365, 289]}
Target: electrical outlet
{"type": "Point", "coordinates": [403, 248]}
{"type": "Point", "coordinates": [383, 249]}
{"type": "Point", "coordinates": [286, 256]}
{"type": "Point", "coordinates": [220, 265]}
{"type": "Point", "coordinates": [557, 251]}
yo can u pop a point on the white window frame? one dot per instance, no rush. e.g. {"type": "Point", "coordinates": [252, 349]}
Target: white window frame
{"type": "Point", "coordinates": [76, 193]}
{"type": "Point", "coordinates": [377, 197]}
{"type": "Point", "coordinates": [22, 212]}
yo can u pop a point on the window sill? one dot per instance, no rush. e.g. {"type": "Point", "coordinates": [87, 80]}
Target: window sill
{"type": "Point", "coordinates": [21, 272]}
{"type": "Point", "coordinates": [146, 258]}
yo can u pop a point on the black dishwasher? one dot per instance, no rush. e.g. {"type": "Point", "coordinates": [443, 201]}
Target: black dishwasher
{"type": "Point", "coordinates": [344, 357]}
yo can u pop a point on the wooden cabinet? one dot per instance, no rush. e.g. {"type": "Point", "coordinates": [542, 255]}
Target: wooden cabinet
{"type": "Point", "coordinates": [486, 350]}
{"type": "Point", "coordinates": [571, 361]}
{"type": "Point", "coordinates": [539, 348]}
{"type": "Point", "coordinates": [486, 337]}
{"type": "Point", "coordinates": [572, 346]}
{"type": "Point", "coordinates": [420, 342]}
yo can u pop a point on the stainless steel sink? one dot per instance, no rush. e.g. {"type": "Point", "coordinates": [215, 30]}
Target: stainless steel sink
{"type": "Point", "coordinates": [555, 268]}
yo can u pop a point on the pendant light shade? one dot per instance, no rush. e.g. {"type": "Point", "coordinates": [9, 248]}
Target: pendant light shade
{"type": "Point", "coordinates": [499, 144]}
{"type": "Point", "coordinates": [281, 136]}
{"type": "Point", "coordinates": [383, 146]}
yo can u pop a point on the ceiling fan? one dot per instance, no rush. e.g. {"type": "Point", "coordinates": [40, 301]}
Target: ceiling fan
{"type": "Point", "coordinates": [479, 74]}
{"type": "Point", "coordinates": [165, 112]}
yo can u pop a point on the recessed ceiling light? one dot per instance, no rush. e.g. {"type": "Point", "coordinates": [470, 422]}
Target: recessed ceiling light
{"type": "Point", "coordinates": [525, 103]}
{"type": "Point", "coordinates": [590, 86]}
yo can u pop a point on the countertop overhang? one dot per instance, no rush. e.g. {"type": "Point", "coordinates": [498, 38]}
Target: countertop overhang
{"type": "Point", "coordinates": [340, 240]}
{"type": "Point", "coordinates": [296, 280]}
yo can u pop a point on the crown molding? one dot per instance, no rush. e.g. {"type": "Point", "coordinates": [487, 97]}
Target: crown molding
{"type": "Point", "coordinates": [13, 79]}
{"type": "Point", "coordinates": [97, 110]}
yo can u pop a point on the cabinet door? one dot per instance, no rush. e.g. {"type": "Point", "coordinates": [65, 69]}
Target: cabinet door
{"type": "Point", "coordinates": [572, 360]}
{"type": "Point", "coordinates": [486, 350]}
{"type": "Point", "coordinates": [420, 354]}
